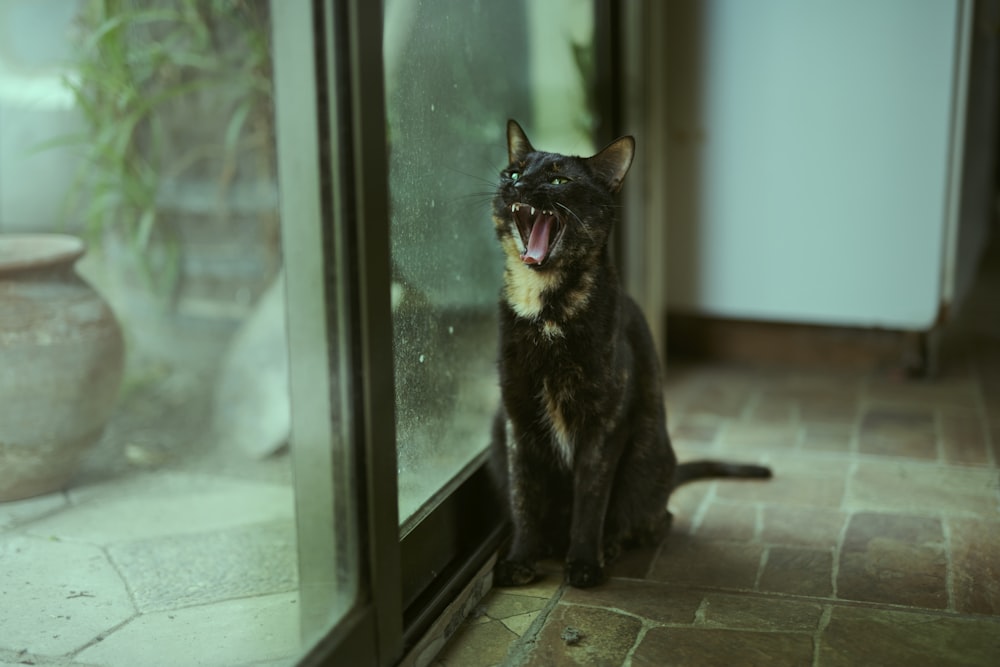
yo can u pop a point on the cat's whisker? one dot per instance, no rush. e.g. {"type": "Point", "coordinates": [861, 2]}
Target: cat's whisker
{"type": "Point", "coordinates": [476, 177]}
{"type": "Point", "coordinates": [590, 233]}
{"type": "Point", "coordinates": [477, 199]}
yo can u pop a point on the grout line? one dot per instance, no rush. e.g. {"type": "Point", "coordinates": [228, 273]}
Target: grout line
{"type": "Point", "coordinates": [700, 613]}
{"type": "Point", "coordinates": [837, 550]}
{"type": "Point", "coordinates": [852, 469]}
{"type": "Point", "coordinates": [656, 554]}
{"type": "Point", "coordinates": [761, 565]}
{"type": "Point", "coordinates": [520, 649]}
{"type": "Point", "coordinates": [949, 580]}
{"type": "Point", "coordinates": [699, 514]}
{"type": "Point", "coordinates": [643, 630]}
{"type": "Point", "coordinates": [758, 525]}
{"type": "Point", "coordinates": [824, 621]}
{"type": "Point", "coordinates": [126, 584]}
{"type": "Point", "coordinates": [101, 636]}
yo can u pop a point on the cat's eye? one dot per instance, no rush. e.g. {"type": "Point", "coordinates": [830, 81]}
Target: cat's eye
{"type": "Point", "coordinates": [514, 175]}
{"type": "Point", "coordinates": [559, 180]}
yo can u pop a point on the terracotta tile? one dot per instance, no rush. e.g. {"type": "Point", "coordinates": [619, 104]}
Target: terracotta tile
{"type": "Point", "coordinates": [975, 548]}
{"type": "Point", "coordinates": [837, 408]}
{"type": "Point", "coordinates": [778, 410]}
{"type": "Point", "coordinates": [863, 636]}
{"type": "Point", "coordinates": [722, 399]}
{"type": "Point", "coordinates": [894, 559]}
{"type": "Point", "coordinates": [575, 635]}
{"type": "Point", "coordinates": [802, 526]}
{"type": "Point", "coordinates": [691, 432]}
{"type": "Point", "coordinates": [693, 561]}
{"type": "Point", "coordinates": [923, 488]}
{"type": "Point", "coordinates": [655, 601]}
{"type": "Point", "coordinates": [898, 432]}
{"type": "Point", "coordinates": [743, 435]}
{"type": "Point", "coordinates": [816, 387]}
{"type": "Point", "coordinates": [633, 563]}
{"type": "Point", "coordinates": [957, 391]}
{"type": "Point", "coordinates": [703, 646]}
{"type": "Point", "coordinates": [798, 571]}
{"type": "Point", "coordinates": [756, 612]}
{"type": "Point", "coordinates": [827, 436]}
{"type": "Point", "coordinates": [964, 440]}
{"type": "Point", "coordinates": [728, 521]}
{"type": "Point", "coordinates": [798, 480]}
{"type": "Point", "coordinates": [915, 530]}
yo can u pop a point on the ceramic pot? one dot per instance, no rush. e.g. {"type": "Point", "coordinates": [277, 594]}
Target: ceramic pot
{"type": "Point", "coordinates": [61, 359]}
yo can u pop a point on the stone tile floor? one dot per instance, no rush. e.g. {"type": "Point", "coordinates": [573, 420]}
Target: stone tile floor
{"type": "Point", "coordinates": [173, 567]}
{"type": "Point", "coordinates": [876, 543]}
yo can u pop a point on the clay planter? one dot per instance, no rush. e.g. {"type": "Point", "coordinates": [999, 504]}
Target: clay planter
{"type": "Point", "coordinates": [61, 358]}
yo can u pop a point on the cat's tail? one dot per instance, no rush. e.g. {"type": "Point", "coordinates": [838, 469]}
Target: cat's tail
{"type": "Point", "coordinates": [694, 470]}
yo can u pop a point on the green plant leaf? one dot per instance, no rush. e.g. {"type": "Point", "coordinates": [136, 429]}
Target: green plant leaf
{"type": "Point", "coordinates": [144, 230]}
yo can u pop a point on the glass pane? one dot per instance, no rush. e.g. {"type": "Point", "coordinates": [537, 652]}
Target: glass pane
{"type": "Point", "coordinates": [454, 73]}
{"type": "Point", "coordinates": [147, 509]}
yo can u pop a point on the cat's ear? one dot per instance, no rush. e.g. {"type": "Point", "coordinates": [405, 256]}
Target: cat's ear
{"type": "Point", "coordinates": [518, 145]}
{"type": "Point", "coordinates": [612, 163]}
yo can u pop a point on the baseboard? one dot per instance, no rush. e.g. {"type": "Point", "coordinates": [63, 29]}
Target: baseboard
{"type": "Point", "coordinates": [745, 341]}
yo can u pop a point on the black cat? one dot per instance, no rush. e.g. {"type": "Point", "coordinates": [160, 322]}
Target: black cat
{"type": "Point", "coordinates": [581, 430]}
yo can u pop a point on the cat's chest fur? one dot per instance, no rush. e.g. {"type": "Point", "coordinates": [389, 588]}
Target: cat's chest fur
{"type": "Point", "coordinates": [560, 365]}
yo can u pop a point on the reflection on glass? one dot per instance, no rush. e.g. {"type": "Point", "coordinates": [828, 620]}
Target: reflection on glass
{"type": "Point", "coordinates": [176, 540]}
{"type": "Point", "coordinates": [454, 73]}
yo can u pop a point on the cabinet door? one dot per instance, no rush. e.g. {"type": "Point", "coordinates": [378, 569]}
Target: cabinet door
{"type": "Point", "coordinates": [810, 158]}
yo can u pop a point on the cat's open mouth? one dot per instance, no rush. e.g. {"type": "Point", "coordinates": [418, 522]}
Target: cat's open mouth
{"type": "Point", "coordinates": [540, 230]}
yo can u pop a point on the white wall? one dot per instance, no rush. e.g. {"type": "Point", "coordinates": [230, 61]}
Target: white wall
{"type": "Point", "coordinates": [809, 157]}
{"type": "Point", "coordinates": [34, 108]}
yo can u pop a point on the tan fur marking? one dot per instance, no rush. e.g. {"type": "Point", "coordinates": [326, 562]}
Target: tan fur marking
{"type": "Point", "coordinates": [557, 423]}
{"type": "Point", "coordinates": [523, 287]}
{"type": "Point", "coordinates": [552, 330]}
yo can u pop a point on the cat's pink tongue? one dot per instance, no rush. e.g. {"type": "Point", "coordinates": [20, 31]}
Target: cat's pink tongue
{"type": "Point", "coordinates": [538, 243]}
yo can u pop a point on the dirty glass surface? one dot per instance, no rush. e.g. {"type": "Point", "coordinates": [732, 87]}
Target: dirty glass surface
{"type": "Point", "coordinates": [455, 71]}
{"type": "Point", "coordinates": [148, 129]}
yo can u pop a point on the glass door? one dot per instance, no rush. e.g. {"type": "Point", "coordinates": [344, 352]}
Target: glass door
{"type": "Point", "coordinates": [454, 73]}
{"type": "Point", "coordinates": [414, 162]}
{"type": "Point", "coordinates": [287, 208]}
{"type": "Point", "coordinates": [408, 168]}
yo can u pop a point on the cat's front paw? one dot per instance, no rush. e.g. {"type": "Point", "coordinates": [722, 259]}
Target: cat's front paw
{"type": "Point", "coordinates": [584, 574]}
{"type": "Point", "coordinates": [513, 573]}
